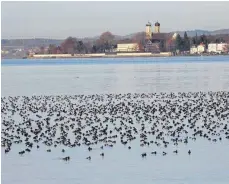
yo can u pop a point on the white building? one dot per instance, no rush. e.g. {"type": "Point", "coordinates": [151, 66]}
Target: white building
{"type": "Point", "coordinates": [218, 47]}
{"type": "Point", "coordinates": [223, 47]}
{"type": "Point", "coordinates": [193, 50]}
{"type": "Point", "coordinates": [4, 52]}
{"type": "Point", "coordinates": [201, 48]}
{"type": "Point", "coordinates": [212, 47]}
{"type": "Point", "coordinates": [197, 50]}
{"type": "Point", "coordinates": [127, 47]}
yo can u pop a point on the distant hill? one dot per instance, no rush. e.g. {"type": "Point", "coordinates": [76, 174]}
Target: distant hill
{"type": "Point", "coordinates": [201, 32]}
{"type": "Point", "coordinates": [28, 43]}
{"type": "Point", "coordinates": [38, 42]}
{"type": "Point", "coordinates": [221, 31]}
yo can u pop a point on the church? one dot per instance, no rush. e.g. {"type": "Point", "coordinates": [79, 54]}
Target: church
{"type": "Point", "coordinates": [156, 41]}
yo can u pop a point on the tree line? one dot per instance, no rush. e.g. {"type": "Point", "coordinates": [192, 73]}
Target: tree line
{"type": "Point", "coordinates": [184, 44]}
{"type": "Point", "coordinates": [107, 43]}
{"type": "Point", "coordinates": [72, 45]}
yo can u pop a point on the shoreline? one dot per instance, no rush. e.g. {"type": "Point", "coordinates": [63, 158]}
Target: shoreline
{"type": "Point", "coordinates": [114, 56]}
{"type": "Point", "coordinates": [94, 57]}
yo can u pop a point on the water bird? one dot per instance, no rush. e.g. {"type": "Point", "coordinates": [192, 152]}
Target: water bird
{"type": "Point", "coordinates": [102, 154]}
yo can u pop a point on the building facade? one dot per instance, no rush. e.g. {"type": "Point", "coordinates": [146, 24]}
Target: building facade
{"type": "Point", "coordinates": [201, 48]}
{"type": "Point", "coordinates": [127, 47]}
{"type": "Point", "coordinates": [159, 42]}
{"type": "Point", "coordinates": [193, 50]}
{"type": "Point", "coordinates": [212, 47]}
{"type": "Point", "coordinates": [218, 47]}
{"type": "Point", "coordinates": [197, 50]}
{"type": "Point", "coordinates": [152, 47]}
{"type": "Point", "coordinates": [222, 47]}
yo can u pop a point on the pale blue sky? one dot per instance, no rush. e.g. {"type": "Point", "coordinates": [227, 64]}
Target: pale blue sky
{"type": "Point", "coordinates": [86, 19]}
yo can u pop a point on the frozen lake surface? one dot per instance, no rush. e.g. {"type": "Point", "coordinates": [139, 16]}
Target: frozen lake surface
{"type": "Point", "coordinates": [208, 163]}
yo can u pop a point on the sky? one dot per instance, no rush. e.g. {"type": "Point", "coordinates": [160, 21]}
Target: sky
{"type": "Point", "coordinates": [88, 19]}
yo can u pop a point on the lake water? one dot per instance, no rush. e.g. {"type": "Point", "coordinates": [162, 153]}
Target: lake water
{"type": "Point", "coordinates": [96, 76]}
{"type": "Point", "coordinates": [208, 163]}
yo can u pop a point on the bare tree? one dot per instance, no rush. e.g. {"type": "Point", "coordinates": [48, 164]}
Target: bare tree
{"type": "Point", "coordinates": [52, 49]}
{"type": "Point", "coordinates": [140, 39]}
{"type": "Point", "coordinates": [69, 46]}
{"type": "Point", "coordinates": [107, 37]}
{"type": "Point", "coordinates": [42, 50]}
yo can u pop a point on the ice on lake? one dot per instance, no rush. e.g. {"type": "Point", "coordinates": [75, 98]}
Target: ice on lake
{"type": "Point", "coordinates": [208, 163]}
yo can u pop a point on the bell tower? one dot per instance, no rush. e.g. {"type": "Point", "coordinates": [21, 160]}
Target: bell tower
{"type": "Point", "coordinates": [157, 27]}
{"type": "Point", "coordinates": [148, 31]}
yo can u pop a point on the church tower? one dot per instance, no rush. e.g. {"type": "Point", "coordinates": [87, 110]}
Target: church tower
{"type": "Point", "coordinates": [148, 31]}
{"type": "Point", "coordinates": [157, 27]}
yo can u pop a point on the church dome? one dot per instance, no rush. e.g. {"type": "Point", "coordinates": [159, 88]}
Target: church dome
{"type": "Point", "coordinates": [148, 24]}
{"type": "Point", "coordinates": [157, 24]}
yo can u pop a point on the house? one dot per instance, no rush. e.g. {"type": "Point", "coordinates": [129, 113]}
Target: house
{"type": "Point", "coordinates": [218, 47]}
{"type": "Point", "coordinates": [4, 52]}
{"type": "Point", "coordinates": [193, 50]}
{"type": "Point", "coordinates": [198, 50]}
{"type": "Point", "coordinates": [128, 47]}
{"type": "Point", "coordinates": [212, 47]}
{"type": "Point", "coordinates": [201, 48]}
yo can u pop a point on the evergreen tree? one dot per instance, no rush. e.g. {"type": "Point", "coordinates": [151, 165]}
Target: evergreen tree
{"type": "Point", "coordinates": [178, 42]}
{"type": "Point", "coordinates": [204, 40]}
{"type": "Point", "coordinates": [186, 42]}
{"type": "Point", "coordinates": [193, 41]}
{"type": "Point", "coordinates": [80, 47]}
{"type": "Point", "coordinates": [162, 46]}
{"type": "Point", "coordinates": [94, 49]}
{"type": "Point", "coordinates": [197, 41]}
{"type": "Point", "coordinates": [221, 40]}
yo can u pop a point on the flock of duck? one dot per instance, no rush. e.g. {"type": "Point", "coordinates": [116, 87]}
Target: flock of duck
{"type": "Point", "coordinates": [155, 120]}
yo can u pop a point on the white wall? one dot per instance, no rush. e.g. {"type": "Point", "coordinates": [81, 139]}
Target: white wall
{"type": "Point", "coordinates": [129, 47]}
{"type": "Point", "coordinates": [200, 48]}
{"type": "Point", "coordinates": [193, 50]}
{"type": "Point", "coordinates": [220, 47]}
{"type": "Point", "coordinates": [148, 31]}
{"type": "Point", "coordinates": [165, 53]}
{"type": "Point", "coordinates": [90, 55]}
{"type": "Point", "coordinates": [51, 55]}
{"type": "Point", "coordinates": [134, 54]}
{"type": "Point", "coordinates": [101, 55]}
{"type": "Point", "coordinates": [212, 47]}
